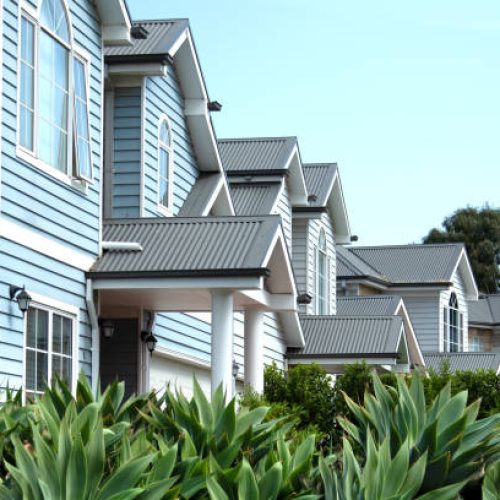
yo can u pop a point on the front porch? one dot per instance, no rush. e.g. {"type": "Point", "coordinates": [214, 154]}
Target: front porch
{"type": "Point", "coordinates": [146, 269]}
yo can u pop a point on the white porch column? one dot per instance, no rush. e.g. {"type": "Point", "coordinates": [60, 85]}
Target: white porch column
{"type": "Point", "coordinates": [254, 349]}
{"type": "Point", "coordinates": [222, 341]}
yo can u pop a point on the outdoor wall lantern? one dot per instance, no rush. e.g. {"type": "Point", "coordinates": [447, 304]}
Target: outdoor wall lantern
{"type": "Point", "coordinates": [22, 296]}
{"type": "Point", "coordinates": [107, 328]}
{"type": "Point", "coordinates": [150, 340]}
{"type": "Point", "coordinates": [236, 369]}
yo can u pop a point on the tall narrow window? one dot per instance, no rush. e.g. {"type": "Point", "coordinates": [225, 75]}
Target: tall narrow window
{"type": "Point", "coordinates": [453, 326]}
{"type": "Point", "coordinates": [322, 281]}
{"type": "Point", "coordinates": [53, 101]}
{"type": "Point", "coordinates": [165, 162]}
{"type": "Point", "coordinates": [49, 349]}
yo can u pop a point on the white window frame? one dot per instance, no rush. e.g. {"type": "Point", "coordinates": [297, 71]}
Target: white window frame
{"type": "Point", "coordinates": [62, 309]}
{"type": "Point", "coordinates": [166, 210]}
{"type": "Point", "coordinates": [326, 289]}
{"type": "Point", "coordinates": [447, 316]}
{"type": "Point", "coordinates": [68, 177]}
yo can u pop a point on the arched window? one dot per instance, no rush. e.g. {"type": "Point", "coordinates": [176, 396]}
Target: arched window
{"type": "Point", "coordinates": [53, 103]}
{"type": "Point", "coordinates": [322, 281]}
{"type": "Point", "coordinates": [165, 164]}
{"type": "Point", "coordinates": [453, 326]}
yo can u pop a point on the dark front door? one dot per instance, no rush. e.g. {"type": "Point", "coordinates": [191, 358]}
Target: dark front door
{"type": "Point", "coordinates": [119, 355]}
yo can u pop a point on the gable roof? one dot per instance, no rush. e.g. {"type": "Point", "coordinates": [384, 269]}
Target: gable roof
{"type": "Point", "coordinates": [349, 336]}
{"type": "Point", "coordinates": [319, 179]}
{"type": "Point", "coordinates": [463, 361]}
{"type": "Point", "coordinates": [202, 193]}
{"type": "Point", "coordinates": [349, 265]}
{"type": "Point", "coordinates": [485, 311]}
{"type": "Point", "coordinates": [254, 198]}
{"type": "Point", "coordinates": [261, 155]}
{"type": "Point", "coordinates": [368, 305]}
{"type": "Point", "coordinates": [177, 246]}
{"type": "Point", "coordinates": [412, 264]}
{"type": "Point", "coordinates": [161, 36]}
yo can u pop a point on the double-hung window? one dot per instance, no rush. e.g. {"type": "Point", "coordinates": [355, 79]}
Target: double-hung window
{"type": "Point", "coordinates": [53, 124]}
{"type": "Point", "coordinates": [453, 326]}
{"type": "Point", "coordinates": [165, 165]}
{"type": "Point", "coordinates": [48, 348]}
{"type": "Point", "coordinates": [322, 281]}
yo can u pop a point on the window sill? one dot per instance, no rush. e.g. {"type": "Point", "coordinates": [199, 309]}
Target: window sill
{"type": "Point", "coordinates": [166, 212]}
{"type": "Point", "coordinates": [76, 184]}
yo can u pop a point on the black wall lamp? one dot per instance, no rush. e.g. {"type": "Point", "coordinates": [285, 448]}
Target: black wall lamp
{"type": "Point", "coordinates": [150, 340]}
{"type": "Point", "coordinates": [236, 369]}
{"type": "Point", "coordinates": [22, 296]}
{"type": "Point", "coordinates": [107, 328]}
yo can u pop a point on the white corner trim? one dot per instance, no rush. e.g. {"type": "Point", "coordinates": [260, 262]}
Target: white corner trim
{"type": "Point", "coordinates": [94, 324]}
{"type": "Point", "coordinates": [45, 246]}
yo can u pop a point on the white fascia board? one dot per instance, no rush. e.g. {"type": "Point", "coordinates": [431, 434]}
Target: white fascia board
{"type": "Point", "coordinates": [296, 181]}
{"type": "Point", "coordinates": [338, 209]}
{"type": "Point", "coordinates": [116, 22]}
{"type": "Point", "coordinates": [463, 264]}
{"type": "Point", "coordinates": [241, 283]}
{"type": "Point", "coordinates": [292, 328]}
{"type": "Point", "coordinates": [413, 346]}
{"type": "Point", "coordinates": [135, 69]}
{"type": "Point", "coordinates": [409, 291]}
{"type": "Point", "coordinates": [45, 246]}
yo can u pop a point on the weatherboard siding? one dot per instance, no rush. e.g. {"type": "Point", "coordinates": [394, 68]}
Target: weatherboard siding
{"type": "Point", "coordinates": [127, 140]}
{"type": "Point", "coordinates": [425, 314]}
{"type": "Point", "coordinates": [42, 276]}
{"type": "Point", "coordinates": [284, 209]}
{"type": "Point", "coordinates": [31, 197]}
{"type": "Point", "coordinates": [41, 203]}
{"type": "Point", "coordinates": [163, 96]}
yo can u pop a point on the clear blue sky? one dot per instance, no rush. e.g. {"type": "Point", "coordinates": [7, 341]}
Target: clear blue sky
{"type": "Point", "coordinates": [403, 94]}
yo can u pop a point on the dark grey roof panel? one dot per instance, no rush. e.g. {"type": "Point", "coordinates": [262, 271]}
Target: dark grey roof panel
{"type": "Point", "coordinates": [485, 311]}
{"type": "Point", "coordinates": [462, 361]}
{"type": "Point", "coordinates": [412, 263]}
{"type": "Point", "coordinates": [319, 181]}
{"type": "Point", "coordinates": [161, 36]}
{"type": "Point", "coordinates": [254, 199]}
{"type": "Point", "coordinates": [181, 246]}
{"type": "Point", "coordinates": [349, 265]}
{"type": "Point", "coordinates": [201, 194]}
{"type": "Point", "coordinates": [350, 336]}
{"type": "Point", "coordinates": [368, 305]}
{"type": "Point", "coordinates": [255, 154]}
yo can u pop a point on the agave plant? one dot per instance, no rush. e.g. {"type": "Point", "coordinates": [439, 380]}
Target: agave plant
{"type": "Point", "coordinates": [491, 484]}
{"type": "Point", "coordinates": [457, 447]}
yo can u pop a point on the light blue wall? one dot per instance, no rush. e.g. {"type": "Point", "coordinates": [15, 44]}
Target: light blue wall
{"type": "Point", "coordinates": [38, 202]}
{"type": "Point", "coordinates": [30, 197]}
{"type": "Point", "coordinates": [164, 96]}
{"type": "Point", "coordinates": [127, 152]}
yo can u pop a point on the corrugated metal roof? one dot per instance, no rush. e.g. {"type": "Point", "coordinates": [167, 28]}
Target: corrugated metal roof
{"type": "Point", "coordinates": [350, 265]}
{"type": "Point", "coordinates": [200, 195]}
{"type": "Point", "coordinates": [412, 263]}
{"type": "Point", "coordinates": [462, 361]}
{"type": "Point", "coordinates": [319, 181]}
{"type": "Point", "coordinates": [485, 311]}
{"type": "Point", "coordinates": [350, 336]}
{"type": "Point", "coordinates": [368, 305]}
{"type": "Point", "coordinates": [161, 36]}
{"type": "Point", "coordinates": [253, 198]}
{"type": "Point", "coordinates": [178, 246]}
{"type": "Point", "coordinates": [255, 154]}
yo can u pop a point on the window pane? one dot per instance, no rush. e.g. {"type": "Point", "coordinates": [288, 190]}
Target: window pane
{"type": "Point", "coordinates": [42, 330]}
{"type": "Point", "coordinates": [164, 133]}
{"type": "Point", "coordinates": [30, 370]}
{"type": "Point", "coordinates": [66, 370]}
{"type": "Point", "coordinates": [164, 163]}
{"type": "Point", "coordinates": [56, 333]}
{"type": "Point", "coordinates": [27, 31]}
{"type": "Point", "coordinates": [26, 85]}
{"type": "Point", "coordinates": [31, 327]}
{"type": "Point", "coordinates": [67, 334]}
{"type": "Point", "coordinates": [42, 370]}
{"type": "Point", "coordinates": [163, 192]}
{"type": "Point", "coordinates": [26, 128]}
{"type": "Point", "coordinates": [53, 17]}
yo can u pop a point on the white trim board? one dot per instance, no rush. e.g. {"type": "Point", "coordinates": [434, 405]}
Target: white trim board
{"type": "Point", "coordinates": [45, 246]}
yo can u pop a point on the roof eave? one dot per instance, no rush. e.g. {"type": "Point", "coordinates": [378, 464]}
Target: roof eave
{"type": "Point", "coordinates": [116, 22]}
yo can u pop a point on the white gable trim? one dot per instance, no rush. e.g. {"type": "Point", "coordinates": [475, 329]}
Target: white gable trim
{"type": "Point", "coordinates": [463, 263]}
{"type": "Point", "coordinates": [338, 212]}
{"type": "Point", "coordinates": [296, 181]}
{"type": "Point", "coordinates": [414, 352]}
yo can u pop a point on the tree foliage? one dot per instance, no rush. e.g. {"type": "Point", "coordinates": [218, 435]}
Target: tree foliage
{"type": "Point", "coordinates": [479, 229]}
